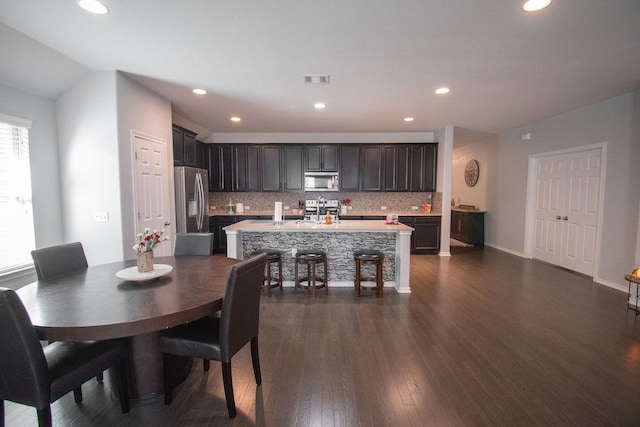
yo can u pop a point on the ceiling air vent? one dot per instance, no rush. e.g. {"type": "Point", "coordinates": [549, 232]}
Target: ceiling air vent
{"type": "Point", "coordinates": [316, 79]}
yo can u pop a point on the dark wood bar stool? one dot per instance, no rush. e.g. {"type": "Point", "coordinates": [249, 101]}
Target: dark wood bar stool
{"type": "Point", "coordinates": [636, 280]}
{"type": "Point", "coordinates": [372, 257]}
{"type": "Point", "coordinates": [312, 258]}
{"type": "Point", "coordinates": [273, 257]}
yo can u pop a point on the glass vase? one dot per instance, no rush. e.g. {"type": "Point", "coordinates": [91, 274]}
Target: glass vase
{"type": "Point", "coordinates": [145, 261]}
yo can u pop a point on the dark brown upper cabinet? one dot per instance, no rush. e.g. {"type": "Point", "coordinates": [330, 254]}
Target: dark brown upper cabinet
{"type": "Point", "coordinates": [321, 158]}
{"type": "Point", "coordinates": [350, 167]}
{"type": "Point", "coordinates": [184, 147]}
{"type": "Point", "coordinates": [424, 159]}
{"type": "Point", "coordinates": [396, 167]}
{"type": "Point", "coordinates": [293, 167]}
{"type": "Point", "coordinates": [271, 170]}
{"type": "Point", "coordinates": [371, 167]}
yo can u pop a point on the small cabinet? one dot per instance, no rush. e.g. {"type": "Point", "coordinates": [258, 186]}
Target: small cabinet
{"type": "Point", "coordinates": [184, 147]}
{"type": "Point", "coordinates": [216, 225]}
{"type": "Point", "coordinates": [349, 167]}
{"type": "Point", "coordinates": [220, 167]}
{"type": "Point", "coordinates": [396, 168]}
{"type": "Point", "coordinates": [425, 238]}
{"type": "Point", "coordinates": [467, 226]}
{"type": "Point", "coordinates": [321, 158]}
{"type": "Point", "coordinates": [271, 171]}
{"type": "Point", "coordinates": [293, 168]}
{"type": "Point", "coordinates": [424, 160]}
{"type": "Point", "coordinates": [202, 155]}
{"type": "Point", "coordinates": [371, 168]}
{"type": "Point", "coordinates": [247, 168]}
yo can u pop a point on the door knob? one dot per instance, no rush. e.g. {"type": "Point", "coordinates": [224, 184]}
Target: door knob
{"type": "Point", "coordinates": [565, 218]}
{"type": "Point", "coordinates": [558, 217]}
{"type": "Point", "coordinates": [167, 223]}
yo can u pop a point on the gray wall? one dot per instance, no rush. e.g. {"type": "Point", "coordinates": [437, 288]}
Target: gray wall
{"type": "Point", "coordinates": [615, 121]}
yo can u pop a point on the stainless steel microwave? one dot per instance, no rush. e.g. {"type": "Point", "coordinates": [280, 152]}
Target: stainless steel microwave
{"type": "Point", "coordinates": [321, 181]}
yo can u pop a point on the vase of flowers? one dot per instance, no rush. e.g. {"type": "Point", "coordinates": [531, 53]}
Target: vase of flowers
{"type": "Point", "coordinates": [147, 240]}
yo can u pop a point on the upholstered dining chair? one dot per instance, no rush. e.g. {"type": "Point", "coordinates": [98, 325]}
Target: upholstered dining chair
{"type": "Point", "coordinates": [220, 338]}
{"type": "Point", "coordinates": [193, 244]}
{"type": "Point", "coordinates": [56, 260]}
{"type": "Point", "coordinates": [36, 376]}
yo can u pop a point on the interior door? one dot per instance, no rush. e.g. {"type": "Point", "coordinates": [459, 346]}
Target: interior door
{"type": "Point", "coordinates": [152, 188]}
{"type": "Point", "coordinates": [567, 201]}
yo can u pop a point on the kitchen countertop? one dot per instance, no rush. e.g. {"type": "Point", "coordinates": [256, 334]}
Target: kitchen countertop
{"type": "Point", "coordinates": [350, 214]}
{"type": "Point", "coordinates": [365, 226]}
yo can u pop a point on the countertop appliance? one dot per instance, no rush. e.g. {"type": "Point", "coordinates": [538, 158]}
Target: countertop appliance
{"type": "Point", "coordinates": [321, 181]}
{"type": "Point", "coordinates": [192, 200]}
{"type": "Point", "coordinates": [321, 206]}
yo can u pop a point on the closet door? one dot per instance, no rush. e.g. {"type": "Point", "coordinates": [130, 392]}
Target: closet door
{"type": "Point", "coordinates": [567, 200]}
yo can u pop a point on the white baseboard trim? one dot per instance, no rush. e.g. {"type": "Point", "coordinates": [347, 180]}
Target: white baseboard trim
{"type": "Point", "coordinates": [500, 248]}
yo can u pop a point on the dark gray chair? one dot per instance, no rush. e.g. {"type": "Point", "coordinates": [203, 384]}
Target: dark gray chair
{"type": "Point", "coordinates": [36, 376]}
{"type": "Point", "coordinates": [215, 338]}
{"type": "Point", "coordinates": [56, 260]}
{"type": "Point", "coordinates": [193, 244]}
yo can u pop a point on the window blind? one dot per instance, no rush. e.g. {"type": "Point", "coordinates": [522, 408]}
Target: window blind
{"type": "Point", "coordinates": [17, 237]}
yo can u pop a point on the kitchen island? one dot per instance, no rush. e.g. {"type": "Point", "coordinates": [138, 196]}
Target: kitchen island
{"type": "Point", "coordinates": [338, 240]}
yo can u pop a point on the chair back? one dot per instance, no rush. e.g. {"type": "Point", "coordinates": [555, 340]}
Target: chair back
{"type": "Point", "coordinates": [24, 374]}
{"type": "Point", "coordinates": [240, 317]}
{"type": "Point", "coordinates": [56, 260]}
{"type": "Point", "coordinates": [193, 244]}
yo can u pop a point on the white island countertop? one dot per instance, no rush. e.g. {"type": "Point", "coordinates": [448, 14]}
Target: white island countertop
{"type": "Point", "coordinates": [361, 226]}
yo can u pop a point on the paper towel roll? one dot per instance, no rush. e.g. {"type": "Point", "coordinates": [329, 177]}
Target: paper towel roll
{"type": "Point", "coordinates": [277, 215]}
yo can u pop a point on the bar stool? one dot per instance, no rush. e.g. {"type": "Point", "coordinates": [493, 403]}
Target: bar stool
{"type": "Point", "coordinates": [273, 257]}
{"type": "Point", "coordinates": [311, 258]}
{"type": "Point", "coordinates": [372, 257]}
{"type": "Point", "coordinates": [633, 279]}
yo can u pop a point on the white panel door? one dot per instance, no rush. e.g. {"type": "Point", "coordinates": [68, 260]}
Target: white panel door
{"type": "Point", "coordinates": [567, 201]}
{"type": "Point", "coordinates": [152, 188]}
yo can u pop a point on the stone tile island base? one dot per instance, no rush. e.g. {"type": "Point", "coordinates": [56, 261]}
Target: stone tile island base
{"type": "Point", "coordinates": [339, 241]}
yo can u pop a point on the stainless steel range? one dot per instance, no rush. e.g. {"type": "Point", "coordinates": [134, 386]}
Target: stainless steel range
{"type": "Point", "coordinates": [319, 207]}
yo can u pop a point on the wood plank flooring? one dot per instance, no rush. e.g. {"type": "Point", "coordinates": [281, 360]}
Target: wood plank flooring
{"type": "Point", "coordinates": [486, 338]}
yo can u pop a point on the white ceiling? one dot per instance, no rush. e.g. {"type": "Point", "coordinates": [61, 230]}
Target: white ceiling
{"type": "Point", "coordinates": [505, 68]}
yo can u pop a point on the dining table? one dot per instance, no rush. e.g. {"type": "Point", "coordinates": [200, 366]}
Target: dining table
{"type": "Point", "coordinates": [96, 303]}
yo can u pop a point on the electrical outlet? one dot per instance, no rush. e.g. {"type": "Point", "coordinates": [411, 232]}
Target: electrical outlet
{"type": "Point", "coordinates": [101, 216]}
{"type": "Point", "coordinates": [213, 208]}
{"type": "Point", "coordinates": [384, 208]}
{"type": "Point", "coordinates": [415, 208]}
{"type": "Point", "coordinates": [293, 252]}
{"type": "Point", "coordinates": [247, 208]}
{"type": "Point", "coordinates": [286, 208]}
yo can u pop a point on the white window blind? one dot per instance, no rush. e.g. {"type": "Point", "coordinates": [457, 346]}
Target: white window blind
{"type": "Point", "coordinates": [17, 238]}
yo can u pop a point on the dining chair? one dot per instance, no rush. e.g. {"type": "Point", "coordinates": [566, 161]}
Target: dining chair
{"type": "Point", "coordinates": [193, 244]}
{"type": "Point", "coordinates": [56, 260]}
{"type": "Point", "coordinates": [36, 376]}
{"type": "Point", "coordinates": [213, 338]}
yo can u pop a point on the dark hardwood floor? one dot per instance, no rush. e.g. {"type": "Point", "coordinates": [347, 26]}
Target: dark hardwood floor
{"type": "Point", "coordinates": [486, 338]}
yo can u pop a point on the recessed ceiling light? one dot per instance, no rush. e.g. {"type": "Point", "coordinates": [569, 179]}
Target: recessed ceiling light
{"type": "Point", "coordinates": [534, 5]}
{"type": "Point", "coordinates": [442, 90]}
{"type": "Point", "coordinates": [199, 91]}
{"type": "Point", "coordinates": [236, 119]}
{"type": "Point", "coordinates": [408, 119]}
{"type": "Point", "coordinates": [319, 105]}
{"type": "Point", "coordinates": [93, 6]}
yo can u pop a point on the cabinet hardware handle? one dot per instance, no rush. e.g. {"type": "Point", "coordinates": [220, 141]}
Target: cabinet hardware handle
{"type": "Point", "coordinates": [558, 217]}
{"type": "Point", "coordinates": [565, 218]}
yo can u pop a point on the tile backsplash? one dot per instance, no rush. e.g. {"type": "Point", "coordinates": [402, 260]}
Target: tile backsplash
{"type": "Point", "coordinates": [366, 202]}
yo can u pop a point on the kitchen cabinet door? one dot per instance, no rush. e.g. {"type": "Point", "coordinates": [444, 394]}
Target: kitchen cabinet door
{"type": "Point", "coordinates": [178, 147]}
{"type": "Point", "coordinates": [349, 167]}
{"type": "Point", "coordinates": [293, 167]}
{"type": "Point", "coordinates": [240, 168]}
{"type": "Point", "coordinates": [321, 158]}
{"type": "Point", "coordinates": [396, 167]}
{"type": "Point", "coordinates": [271, 170]}
{"type": "Point", "coordinates": [424, 159]}
{"type": "Point", "coordinates": [468, 227]}
{"type": "Point", "coordinates": [189, 141]}
{"type": "Point", "coordinates": [213, 161]}
{"type": "Point", "coordinates": [220, 168]}
{"type": "Point", "coordinates": [217, 224]}
{"type": "Point", "coordinates": [371, 168]}
{"type": "Point", "coordinates": [201, 155]}
{"type": "Point", "coordinates": [426, 235]}
{"type": "Point", "coordinates": [254, 168]}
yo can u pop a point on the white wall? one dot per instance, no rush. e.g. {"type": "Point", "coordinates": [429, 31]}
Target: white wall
{"type": "Point", "coordinates": [616, 122]}
{"type": "Point", "coordinates": [149, 114]}
{"type": "Point", "coordinates": [43, 152]}
{"type": "Point", "coordinates": [89, 166]}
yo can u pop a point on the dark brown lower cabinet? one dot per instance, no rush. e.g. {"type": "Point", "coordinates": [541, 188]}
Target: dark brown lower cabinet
{"type": "Point", "coordinates": [216, 225]}
{"type": "Point", "coordinates": [425, 238]}
{"type": "Point", "coordinates": [468, 226]}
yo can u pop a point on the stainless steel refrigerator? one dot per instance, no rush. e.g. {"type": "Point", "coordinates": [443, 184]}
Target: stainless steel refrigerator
{"type": "Point", "coordinates": [192, 200]}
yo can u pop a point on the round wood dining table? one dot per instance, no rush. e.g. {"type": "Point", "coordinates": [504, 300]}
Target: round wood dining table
{"type": "Point", "coordinates": [94, 304]}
